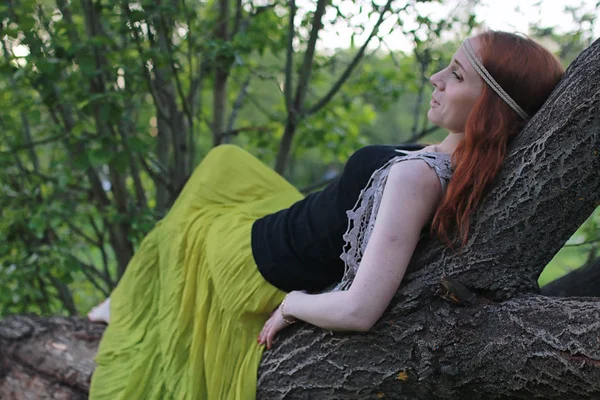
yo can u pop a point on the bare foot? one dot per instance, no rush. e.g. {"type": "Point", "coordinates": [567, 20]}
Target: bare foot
{"type": "Point", "coordinates": [100, 313]}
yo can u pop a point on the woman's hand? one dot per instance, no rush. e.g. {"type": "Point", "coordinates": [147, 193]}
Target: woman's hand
{"type": "Point", "coordinates": [274, 324]}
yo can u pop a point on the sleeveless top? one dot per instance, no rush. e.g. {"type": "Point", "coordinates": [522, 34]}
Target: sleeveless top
{"type": "Point", "coordinates": [299, 248]}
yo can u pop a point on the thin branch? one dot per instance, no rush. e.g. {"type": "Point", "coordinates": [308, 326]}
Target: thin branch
{"type": "Point", "coordinates": [309, 54]}
{"type": "Point", "coordinates": [157, 178]}
{"type": "Point", "coordinates": [45, 297]}
{"type": "Point", "coordinates": [262, 108]}
{"type": "Point", "coordinates": [78, 231]}
{"type": "Point", "coordinates": [585, 243]}
{"type": "Point", "coordinates": [237, 131]}
{"type": "Point", "coordinates": [189, 41]}
{"type": "Point", "coordinates": [64, 294]}
{"type": "Point", "coordinates": [124, 128]}
{"type": "Point", "coordinates": [336, 86]}
{"type": "Point", "coordinates": [100, 235]}
{"type": "Point", "coordinates": [153, 91]}
{"type": "Point", "coordinates": [97, 231]}
{"type": "Point", "coordinates": [289, 58]}
{"type": "Point", "coordinates": [86, 271]}
{"type": "Point", "coordinates": [196, 85]}
{"type": "Point", "coordinates": [391, 53]}
{"type": "Point", "coordinates": [178, 85]}
{"type": "Point", "coordinates": [222, 70]}
{"type": "Point", "coordinates": [105, 266]}
{"type": "Point", "coordinates": [237, 105]}
{"type": "Point", "coordinates": [424, 133]}
{"type": "Point", "coordinates": [238, 17]}
{"type": "Point", "coordinates": [48, 178]}
{"type": "Point", "coordinates": [24, 119]}
{"type": "Point", "coordinates": [30, 145]}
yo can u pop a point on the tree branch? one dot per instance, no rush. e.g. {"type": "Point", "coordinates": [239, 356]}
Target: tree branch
{"type": "Point", "coordinates": [528, 347]}
{"type": "Point", "coordinates": [237, 105]}
{"type": "Point", "coordinates": [511, 343]}
{"type": "Point", "coordinates": [289, 57]}
{"type": "Point", "coordinates": [346, 74]}
{"type": "Point", "coordinates": [307, 64]}
{"type": "Point", "coordinates": [237, 131]}
{"type": "Point", "coordinates": [158, 178]}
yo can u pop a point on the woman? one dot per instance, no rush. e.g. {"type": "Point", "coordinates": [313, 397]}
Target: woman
{"type": "Point", "coordinates": [188, 317]}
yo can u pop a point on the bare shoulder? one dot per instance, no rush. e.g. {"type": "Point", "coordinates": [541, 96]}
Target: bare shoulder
{"type": "Point", "coordinates": [415, 186]}
{"type": "Point", "coordinates": [416, 174]}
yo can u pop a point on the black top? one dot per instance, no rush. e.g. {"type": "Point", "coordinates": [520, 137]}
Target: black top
{"type": "Point", "coordinates": [299, 247]}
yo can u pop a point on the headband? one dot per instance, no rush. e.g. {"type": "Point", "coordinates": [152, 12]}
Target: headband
{"type": "Point", "coordinates": [490, 80]}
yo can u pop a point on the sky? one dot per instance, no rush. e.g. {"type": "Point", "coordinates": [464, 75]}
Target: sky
{"type": "Point", "coordinates": [507, 15]}
{"type": "Point", "coordinates": [516, 15]}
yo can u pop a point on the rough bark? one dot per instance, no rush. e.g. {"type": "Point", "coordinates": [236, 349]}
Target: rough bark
{"type": "Point", "coordinates": [522, 345]}
{"type": "Point", "coordinates": [47, 358]}
{"type": "Point", "coordinates": [523, 348]}
{"type": "Point", "coordinates": [461, 326]}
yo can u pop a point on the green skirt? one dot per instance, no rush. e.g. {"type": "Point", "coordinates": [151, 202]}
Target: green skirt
{"type": "Point", "coordinates": [186, 315]}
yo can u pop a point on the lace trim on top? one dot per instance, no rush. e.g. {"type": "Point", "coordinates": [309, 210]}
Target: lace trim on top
{"type": "Point", "coordinates": [361, 219]}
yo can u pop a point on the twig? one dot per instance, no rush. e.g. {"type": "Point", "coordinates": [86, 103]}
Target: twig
{"type": "Point", "coordinates": [237, 131]}
{"type": "Point", "coordinates": [237, 105]}
{"type": "Point", "coordinates": [592, 241]}
{"type": "Point", "coordinates": [346, 74]}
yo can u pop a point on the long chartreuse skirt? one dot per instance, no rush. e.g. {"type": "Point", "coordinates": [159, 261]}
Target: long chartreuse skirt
{"type": "Point", "coordinates": [186, 314]}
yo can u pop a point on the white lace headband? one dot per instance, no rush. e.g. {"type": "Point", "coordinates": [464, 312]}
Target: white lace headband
{"type": "Point", "coordinates": [490, 80]}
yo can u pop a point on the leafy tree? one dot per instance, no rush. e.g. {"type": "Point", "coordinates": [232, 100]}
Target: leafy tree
{"type": "Point", "coordinates": [108, 106]}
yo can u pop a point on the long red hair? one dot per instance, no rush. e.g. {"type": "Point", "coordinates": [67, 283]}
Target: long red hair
{"type": "Point", "coordinates": [528, 73]}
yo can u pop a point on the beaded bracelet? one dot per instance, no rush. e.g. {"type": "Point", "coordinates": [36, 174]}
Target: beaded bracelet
{"type": "Point", "coordinates": [293, 321]}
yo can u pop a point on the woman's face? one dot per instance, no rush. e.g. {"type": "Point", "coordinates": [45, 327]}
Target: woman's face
{"type": "Point", "coordinates": [457, 87]}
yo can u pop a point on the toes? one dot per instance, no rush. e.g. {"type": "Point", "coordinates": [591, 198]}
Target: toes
{"type": "Point", "coordinates": [100, 313]}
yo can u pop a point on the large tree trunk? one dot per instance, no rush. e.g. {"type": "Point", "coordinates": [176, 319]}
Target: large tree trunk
{"type": "Point", "coordinates": [508, 342]}
{"type": "Point", "coordinates": [468, 325]}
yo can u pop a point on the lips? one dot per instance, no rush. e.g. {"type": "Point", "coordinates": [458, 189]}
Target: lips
{"type": "Point", "coordinates": [433, 103]}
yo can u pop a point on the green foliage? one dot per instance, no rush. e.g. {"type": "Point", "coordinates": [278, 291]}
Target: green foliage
{"type": "Point", "coordinates": [107, 107]}
{"type": "Point", "coordinates": [581, 247]}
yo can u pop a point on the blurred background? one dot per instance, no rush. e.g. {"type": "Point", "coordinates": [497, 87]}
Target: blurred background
{"type": "Point", "coordinates": [107, 106]}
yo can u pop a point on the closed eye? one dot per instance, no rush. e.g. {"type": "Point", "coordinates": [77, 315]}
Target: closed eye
{"type": "Point", "coordinates": [457, 76]}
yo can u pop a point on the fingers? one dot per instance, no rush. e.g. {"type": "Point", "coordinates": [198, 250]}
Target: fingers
{"type": "Point", "coordinates": [269, 330]}
{"type": "Point", "coordinates": [267, 335]}
{"type": "Point", "coordinates": [262, 337]}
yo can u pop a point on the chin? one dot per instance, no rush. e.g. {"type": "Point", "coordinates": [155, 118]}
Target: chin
{"type": "Point", "coordinates": [432, 118]}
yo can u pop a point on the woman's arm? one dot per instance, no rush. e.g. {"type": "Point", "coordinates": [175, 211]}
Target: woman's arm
{"type": "Point", "coordinates": [410, 197]}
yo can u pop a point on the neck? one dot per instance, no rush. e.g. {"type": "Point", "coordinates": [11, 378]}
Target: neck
{"type": "Point", "coordinates": [450, 142]}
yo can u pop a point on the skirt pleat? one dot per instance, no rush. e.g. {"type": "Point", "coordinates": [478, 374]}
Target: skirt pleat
{"type": "Point", "coordinates": [187, 312]}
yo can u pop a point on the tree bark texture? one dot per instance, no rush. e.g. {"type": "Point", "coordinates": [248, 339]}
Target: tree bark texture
{"type": "Point", "coordinates": [508, 342]}
{"type": "Point", "coordinates": [529, 347]}
{"type": "Point", "coordinates": [468, 325]}
{"type": "Point", "coordinates": [47, 358]}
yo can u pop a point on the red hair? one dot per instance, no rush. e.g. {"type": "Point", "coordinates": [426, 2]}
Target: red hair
{"type": "Point", "coordinates": [528, 73]}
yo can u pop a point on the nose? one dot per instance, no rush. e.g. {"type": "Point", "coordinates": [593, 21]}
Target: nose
{"type": "Point", "coordinates": [436, 80]}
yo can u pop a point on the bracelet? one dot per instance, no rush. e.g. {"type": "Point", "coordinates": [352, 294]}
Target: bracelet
{"type": "Point", "coordinates": [292, 321]}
